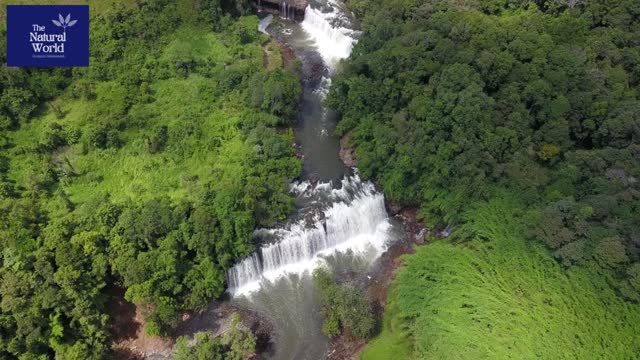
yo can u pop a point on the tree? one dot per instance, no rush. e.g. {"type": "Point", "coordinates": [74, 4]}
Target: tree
{"type": "Point", "coordinates": [206, 347]}
{"type": "Point", "coordinates": [344, 306]}
{"type": "Point", "coordinates": [449, 102]}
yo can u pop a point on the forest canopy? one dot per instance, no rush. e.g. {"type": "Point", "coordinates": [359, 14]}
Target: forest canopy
{"type": "Point", "coordinates": [499, 296]}
{"type": "Point", "coordinates": [148, 171]}
{"type": "Point", "coordinates": [448, 102]}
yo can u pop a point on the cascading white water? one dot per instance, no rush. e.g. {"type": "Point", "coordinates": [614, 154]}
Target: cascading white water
{"type": "Point", "coordinates": [264, 24]}
{"type": "Point", "coordinates": [333, 41]}
{"type": "Point", "coordinates": [345, 227]}
{"type": "Point", "coordinates": [356, 221]}
{"type": "Point", "coordinates": [286, 11]}
{"type": "Point", "coordinates": [350, 219]}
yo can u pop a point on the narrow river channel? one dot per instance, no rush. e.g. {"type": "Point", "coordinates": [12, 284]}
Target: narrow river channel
{"type": "Point", "coordinates": [340, 220]}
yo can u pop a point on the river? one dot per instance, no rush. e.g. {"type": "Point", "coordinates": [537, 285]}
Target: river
{"type": "Point", "coordinates": [340, 221]}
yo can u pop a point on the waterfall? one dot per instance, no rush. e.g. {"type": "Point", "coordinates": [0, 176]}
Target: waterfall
{"type": "Point", "coordinates": [355, 220]}
{"type": "Point", "coordinates": [333, 41]}
{"type": "Point", "coordinates": [343, 226]}
{"type": "Point", "coordinates": [264, 23]}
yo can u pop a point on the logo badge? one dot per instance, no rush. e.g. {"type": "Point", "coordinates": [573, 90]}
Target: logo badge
{"type": "Point", "coordinates": [47, 35]}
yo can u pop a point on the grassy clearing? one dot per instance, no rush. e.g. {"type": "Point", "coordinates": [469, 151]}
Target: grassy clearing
{"type": "Point", "coordinates": [395, 340]}
{"type": "Point", "coordinates": [273, 55]}
{"type": "Point", "coordinates": [499, 296]}
{"type": "Point", "coordinates": [201, 124]}
{"type": "Point", "coordinates": [194, 43]}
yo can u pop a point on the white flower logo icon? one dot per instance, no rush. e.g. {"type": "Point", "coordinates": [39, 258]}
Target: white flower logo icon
{"type": "Point", "coordinates": [64, 23]}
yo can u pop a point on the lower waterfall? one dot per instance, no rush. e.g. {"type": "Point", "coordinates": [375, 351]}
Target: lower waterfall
{"type": "Point", "coordinates": [264, 24]}
{"type": "Point", "coordinates": [356, 221]}
{"type": "Point", "coordinates": [340, 220]}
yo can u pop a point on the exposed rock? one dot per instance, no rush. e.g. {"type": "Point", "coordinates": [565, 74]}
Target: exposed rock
{"type": "Point", "coordinates": [393, 208]}
{"type": "Point", "coordinates": [615, 173]}
{"type": "Point", "coordinates": [288, 57]}
{"type": "Point", "coordinates": [347, 153]}
{"type": "Point", "coordinates": [130, 342]}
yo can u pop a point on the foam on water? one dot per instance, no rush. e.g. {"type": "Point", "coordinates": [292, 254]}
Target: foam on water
{"type": "Point", "coordinates": [264, 23]}
{"type": "Point", "coordinates": [355, 222]}
{"type": "Point", "coordinates": [334, 42]}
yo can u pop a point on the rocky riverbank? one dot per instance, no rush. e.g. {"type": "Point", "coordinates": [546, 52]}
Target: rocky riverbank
{"type": "Point", "coordinates": [379, 279]}
{"type": "Point", "coordinates": [131, 343]}
{"type": "Point", "coordinates": [347, 153]}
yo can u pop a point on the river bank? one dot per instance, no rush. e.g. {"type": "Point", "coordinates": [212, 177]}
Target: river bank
{"type": "Point", "coordinates": [379, 279]}
{"type": "Point", "coordinates": [340, 221]}
{"type": "Point", "coordinates": [126, 320]}
{"type": "Point", "coordinates": [129, 341]}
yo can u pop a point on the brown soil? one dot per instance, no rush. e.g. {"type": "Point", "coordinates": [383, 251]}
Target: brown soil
{"type": "Point", "coordinates": [129, 341]}
{"type": "Point", "coordinates": [289, 58]}
{"type": "Point", "coordinates": [126, 325]}
{"type": "Point", "coordinates": [347, 153]}
{"type": "Point", "coordinates": [343, 348]}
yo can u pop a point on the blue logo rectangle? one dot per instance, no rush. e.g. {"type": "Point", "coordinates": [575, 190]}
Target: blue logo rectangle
{"type": "Point", "coordinates": [47, 35]}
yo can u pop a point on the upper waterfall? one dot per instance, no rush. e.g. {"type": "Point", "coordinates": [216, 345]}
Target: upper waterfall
{"type": "Point", "coordinates": [334, 42]}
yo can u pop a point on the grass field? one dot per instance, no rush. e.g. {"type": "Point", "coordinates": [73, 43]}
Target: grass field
{"type": "Point", "coordinates": [205, 123]}
{"type": "Point", "coordinates": [499, 296]}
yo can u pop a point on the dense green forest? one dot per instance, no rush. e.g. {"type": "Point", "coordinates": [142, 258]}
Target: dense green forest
{"type": "Point", "coordinates": [449, 103]}
{"type": "Point", "coordinates": [148, 171]}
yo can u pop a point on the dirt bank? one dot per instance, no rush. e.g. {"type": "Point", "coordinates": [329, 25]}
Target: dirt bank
{"type": "Point", "coordinates": [129, 341]}
{"type": "Point", "coordinates": [347, 152]}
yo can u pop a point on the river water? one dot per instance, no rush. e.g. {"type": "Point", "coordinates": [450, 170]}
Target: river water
{"type": "Point", "coordinates": [340, 220]}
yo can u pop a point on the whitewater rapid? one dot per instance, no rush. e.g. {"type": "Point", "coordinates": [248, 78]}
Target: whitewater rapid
{"type": "Point", "coordinates": [355, 221]}
{"type": "Point", "coordinates": [330, 32]}
{"type": "Point", "coordinates": [340, 220]}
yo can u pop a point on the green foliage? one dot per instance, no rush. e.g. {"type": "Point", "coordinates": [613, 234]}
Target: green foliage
{"type": "Point", "coordinates": [548, 152]}
{"type": "Point", "coordinates": [276, 93]}
{"type": "Point", "coordinates": [493, 295]}
{"type": "Point", "coordinates": [206, 347]}
{"type": "Point", "coordinates": [345, 307]}
{"type": "Point", "coordinates": [446, 100]}
{"type": "Point", "coordinates": [145, 170]}
{"type": "Point", "coordinates": [236, 344]}
{"type": "Point", "coordinates": [240, 341]}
